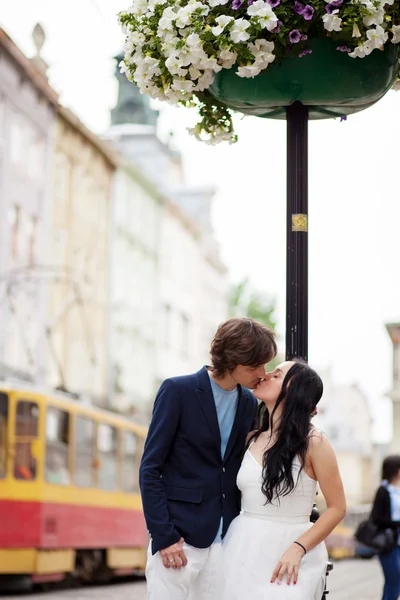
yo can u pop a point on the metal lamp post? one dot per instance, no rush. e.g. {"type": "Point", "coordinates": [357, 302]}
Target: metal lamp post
{"type": "Point", "coordinates": [297, 233]}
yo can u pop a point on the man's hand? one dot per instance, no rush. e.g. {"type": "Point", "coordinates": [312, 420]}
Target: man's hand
{"type": "Point", "coordinates": [174, 557]}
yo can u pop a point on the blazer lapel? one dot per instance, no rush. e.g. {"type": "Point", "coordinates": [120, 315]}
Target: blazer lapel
{"type": "Point", "coordinates": [207, 403]}
{"type": "Point", "coordinates": [236, 424]}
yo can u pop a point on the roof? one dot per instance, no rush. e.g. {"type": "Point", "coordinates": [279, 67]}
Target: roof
{"type": "Point", "coordinates": [38, 79]}
{"type": "Point", "coordinates": [106, 149]}
{"type": "Point", "coordinates": [19, 386]}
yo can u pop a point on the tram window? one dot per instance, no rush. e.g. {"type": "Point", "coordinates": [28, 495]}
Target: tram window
{"type": "Point", "coordinates": [57, 446]}
{"type": "Point", "coordinates": [26, 431]}
{"type": "Point", "coordinates": [129, 468]}
{"type": "Point", "coordinates": [3, 432]}
{"type": "Point", "coordinates": [84, 452]}
{"type": "Point", "coordinates": [107, 449]}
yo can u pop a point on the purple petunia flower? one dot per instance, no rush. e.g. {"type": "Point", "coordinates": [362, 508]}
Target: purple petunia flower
{"type": "Point", "coordinates": [330, 8]}
{"type": "Point", "coordinates": [304, 38]}
{"type": "Point", "coordinates": [274, 3]}
{"type": "Point", "coordinates": [343, 118]}
{"type": "Point", "coordinates": [298, 8]}
{"type": "Point", "coordinates": [304, 52]}
{"type": "Point", "coordinates": [237, 4]}
{"type": "Point", "coordinates": [308, 12]}
{"type": "Point", "coordinates": [337, 3]}
{"type": "Point", "coordinates": [343, 49]}
{"type": "Point", "coordinates": [294, 36]}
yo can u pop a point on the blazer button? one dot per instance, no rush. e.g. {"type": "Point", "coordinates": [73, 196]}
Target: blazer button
{"type": "Point", "coordinates": [223, 496]}
{"type": "Point", "coordinates": [223, 469]}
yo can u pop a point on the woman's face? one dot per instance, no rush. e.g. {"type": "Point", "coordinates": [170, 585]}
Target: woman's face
{"type": "Point", "coordinates": [269, 389]}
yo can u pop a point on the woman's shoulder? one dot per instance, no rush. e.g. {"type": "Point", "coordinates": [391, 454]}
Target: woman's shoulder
{"type": "Point", "coordinates": [316, 437]}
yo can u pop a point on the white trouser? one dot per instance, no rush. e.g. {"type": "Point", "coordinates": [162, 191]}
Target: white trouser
{"type": "Point", "coordinates": [201, 579]}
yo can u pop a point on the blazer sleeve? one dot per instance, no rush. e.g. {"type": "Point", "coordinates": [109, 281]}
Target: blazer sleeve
{"type": "Point", "coordinates": [381, 511]}
{"type": "Point", "coordinates": [160, 438]}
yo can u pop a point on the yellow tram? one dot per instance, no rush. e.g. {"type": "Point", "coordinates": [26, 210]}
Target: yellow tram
{"type": "Point", "coordinates": [69, 494]}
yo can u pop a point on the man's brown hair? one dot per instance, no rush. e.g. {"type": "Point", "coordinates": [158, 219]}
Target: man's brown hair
{"type": "Point", "coordinates": [241, 342]}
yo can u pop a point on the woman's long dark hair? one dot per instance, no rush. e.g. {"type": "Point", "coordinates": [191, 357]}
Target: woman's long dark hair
{"type": "Point", "coordinates": [301, 391]}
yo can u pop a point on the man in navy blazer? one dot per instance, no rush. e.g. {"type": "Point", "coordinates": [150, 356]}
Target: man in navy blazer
{"type": "Point", "coordinates": [191, 459]}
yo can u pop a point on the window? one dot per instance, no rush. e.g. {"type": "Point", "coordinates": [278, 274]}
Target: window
{"type": "Point", "coordinates": [3, 433]}
{"type": "Point", "coordinates": [36, 155]}
{"type": "Point", "coordinates": [16, 139]}
{"type": "Point", "coordinates": [129, 462]}
{"type": "Point", "coordinates": [32, 239]}
{"type": "Point", "coordinates": [57, 446]}
{"type": "Point", "coordinates": [107, 448]}
{"type": "Point", "coordinates": [15, 222]}
{"type": "Point", "coordinates": [26, 431]}
{"type": "Point", "coordinates": [84, 452]}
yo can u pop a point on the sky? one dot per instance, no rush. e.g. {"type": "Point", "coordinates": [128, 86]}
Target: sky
{"type": "Point", "coordinates": [354, 194]}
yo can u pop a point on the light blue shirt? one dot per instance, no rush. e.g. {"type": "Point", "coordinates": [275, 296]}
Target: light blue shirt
{"type": "Point", "coordinates": [394, 493]}
{"type": "Point", "coordinates": [226, 405]}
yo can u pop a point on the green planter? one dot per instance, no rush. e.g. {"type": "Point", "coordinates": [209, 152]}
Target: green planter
{"type": "Point", "coordinates": [328, 81]}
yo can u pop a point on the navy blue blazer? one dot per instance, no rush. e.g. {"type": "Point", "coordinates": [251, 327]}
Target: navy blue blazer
{"type": "Point", "coordinates": [186, 486]}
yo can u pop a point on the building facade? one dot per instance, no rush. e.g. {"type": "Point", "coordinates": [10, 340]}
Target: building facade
{"type": "Point", "coordinates": [135, 232]}
{"type": "Point", "coordinates": [28, 108]}
{"type": "Point", "coordinates": [189, 280]}
{"type": "Point", "coordinates": [394, 394]}
{"type": "Point", "coordinates": [78, 315]}
{"type": "Point", "coordinates": [345, 417]}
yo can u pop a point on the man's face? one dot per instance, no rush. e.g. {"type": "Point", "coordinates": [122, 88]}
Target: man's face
{"type": "Point", "coordinates": [248, 376]}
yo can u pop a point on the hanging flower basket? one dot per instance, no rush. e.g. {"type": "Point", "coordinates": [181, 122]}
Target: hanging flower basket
{"type": "Point", "coordinates": [327, 81]}
{"type": "Point", "coordinates": [259, 56]}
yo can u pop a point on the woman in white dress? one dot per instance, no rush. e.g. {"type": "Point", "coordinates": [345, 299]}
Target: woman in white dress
{"type": "Point", "coordinates": [272, 551]}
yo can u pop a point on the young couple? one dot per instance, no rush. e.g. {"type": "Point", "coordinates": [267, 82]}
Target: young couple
{"type": "Point", "coordinates": [227, 495]}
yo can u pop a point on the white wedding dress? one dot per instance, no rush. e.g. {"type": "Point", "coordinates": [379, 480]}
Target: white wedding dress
{"type": "Point", "coordinates": [260, 535]}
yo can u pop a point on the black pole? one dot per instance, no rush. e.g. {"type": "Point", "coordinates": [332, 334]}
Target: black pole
{"type": "Point", "coordinates": [297, 232]}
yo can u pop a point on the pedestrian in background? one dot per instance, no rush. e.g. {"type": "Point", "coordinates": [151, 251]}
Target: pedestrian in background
{"type": "Point", "coordinates": [386, 515]}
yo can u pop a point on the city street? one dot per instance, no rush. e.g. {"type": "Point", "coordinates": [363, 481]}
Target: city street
{"type": "Point", "coordinates": [350, 580]}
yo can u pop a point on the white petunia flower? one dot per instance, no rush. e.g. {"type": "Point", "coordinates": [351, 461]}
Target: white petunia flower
{"type": "Point", "coordinates": [169, 45]}
{"type": "Point", "coordinates": [205, 80]}
{"type": "Point", "coordinates": [174, 66]}
{"type": "Point", "coordinates": [263, 11]}
{"type": "Point", "coordinates": [222, 21]}
{"type": "Point", "coordinates": [182, 85]}
{"type": "Point", "coordinates": [261, 46]}
{"type": "Point", "coordinates": [376, 16]}
{"type": "Point", "coordinates": [139, 7]}
{"type": "Point", "coordinates": [123, 67]}
{"type": "Point", "coordinates": [184, 16]}
{"type": "Point", "coordinates": [248, 71]}
{"type": "Point", "coordinates": [396, 34]}
{"type": "Point", "coordinates": [238, 32]}
{"type": "Point", "coordinates": [356, 31]}
{"type": "Point", "coordinates": [214, 3]}
{"type": "Point", "coordinates": [361, 51]}
{"type": "Point", "coordinates": [228, 58]}
{"type": "Point", "coordinates": [194, 73]}
{"type": "Point", "coordinates": [377, 37]}
{"type": "Point", "coordinates": [165, 27]}
{"type": "Point", "coordinates": [136, 38]}
{"type": "Point", "coordinates": [332, 22]}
